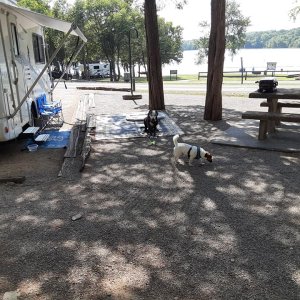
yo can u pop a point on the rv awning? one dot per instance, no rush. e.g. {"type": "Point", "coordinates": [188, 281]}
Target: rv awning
{"type": "Point", "coordinates": [46, 21]}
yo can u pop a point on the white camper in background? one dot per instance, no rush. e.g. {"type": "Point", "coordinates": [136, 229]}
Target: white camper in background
{"type": "Point", "coordinates": [99, 70]}
{"type": "Point", "coordinates": [23, 66]}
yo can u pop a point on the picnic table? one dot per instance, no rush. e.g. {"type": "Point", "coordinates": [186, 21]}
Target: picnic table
{"type": "Point", "coordinates": [273, 117]}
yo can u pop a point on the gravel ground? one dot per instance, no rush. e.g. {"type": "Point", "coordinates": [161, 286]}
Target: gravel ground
{"type": "Point", "coordinates": [150, 230]}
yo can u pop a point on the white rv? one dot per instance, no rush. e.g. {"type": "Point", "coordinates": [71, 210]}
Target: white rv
{"type": "Point", "coordinates": [99, 70]}
{"type": "Point", "coordinates": [23, 65]}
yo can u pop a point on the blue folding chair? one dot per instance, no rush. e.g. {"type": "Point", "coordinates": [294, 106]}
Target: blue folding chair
{"type": "Point", "coordinates": [50, 112]}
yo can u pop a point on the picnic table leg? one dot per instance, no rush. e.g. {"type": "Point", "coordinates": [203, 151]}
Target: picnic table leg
{"type": "Point", "coordinates": [262, 133]}
{"type": "Point", "coordinates": [272, 108]}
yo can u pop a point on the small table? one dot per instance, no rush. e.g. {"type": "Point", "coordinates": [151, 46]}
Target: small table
{"type": "Point", "coordinates": [272, 99]}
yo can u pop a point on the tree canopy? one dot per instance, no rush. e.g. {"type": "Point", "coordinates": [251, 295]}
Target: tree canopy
{"type": "Point", "coordinates": [107, 24]}
{"type": "Point", "coordinates": [40, 6]}
{"type": "Point", "coordinates": [235, 31]}
{"type": "Point", "coordinates": [262, 39]}
{"type": "Point", "coordinates": [273, 39]}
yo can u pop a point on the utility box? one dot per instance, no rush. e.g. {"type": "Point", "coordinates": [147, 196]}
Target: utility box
{"type": "Point", "coordinates": [126, 76]}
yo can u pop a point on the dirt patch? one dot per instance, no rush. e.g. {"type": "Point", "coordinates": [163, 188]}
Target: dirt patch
{"type": "Point", "coordinates": [16, 160]}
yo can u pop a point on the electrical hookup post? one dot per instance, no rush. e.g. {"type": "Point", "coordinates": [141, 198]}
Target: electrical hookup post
{"type": "Point", "coordinates": [242, 71]}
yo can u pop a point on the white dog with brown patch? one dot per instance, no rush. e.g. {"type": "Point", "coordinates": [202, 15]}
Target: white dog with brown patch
{"type": "Point", "coordinates": [192, 152]}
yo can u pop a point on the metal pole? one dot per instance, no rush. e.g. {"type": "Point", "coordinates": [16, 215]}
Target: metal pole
{"type": "Point", "coordinates": [242, 69]}
{"type": "Point", "coordinates": [133, 78]}
{"type": "Point", "coordinates": [130, 69]}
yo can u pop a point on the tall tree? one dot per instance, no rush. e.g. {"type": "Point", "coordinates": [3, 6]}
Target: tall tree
{"type": "Point", "coordinates": [60, 9]}
{"type": "Point", "coordinates": [106, 19]}
{"type": "Point", "coordinates": [213, 101]}
{"type": "Point", "coordinates": [155, 82]}
{"type": "Point", "coordinates": [170, 40]}
{"type": "Point", "coordinates": [78, 15]}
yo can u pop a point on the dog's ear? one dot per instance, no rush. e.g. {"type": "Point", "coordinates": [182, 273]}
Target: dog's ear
{"type": "Point", "coordinates": [208, 156]}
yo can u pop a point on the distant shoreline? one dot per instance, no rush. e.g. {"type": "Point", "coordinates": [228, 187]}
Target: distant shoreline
{"type": "Point", "coordinates": [253, 60]}
{"type": "Point", "coordinates": [271, 39]}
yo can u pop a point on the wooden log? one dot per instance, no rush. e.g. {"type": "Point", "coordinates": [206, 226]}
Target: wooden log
{"type": "Point", "coordinates": [103, 88]}
{"type": "Point", "coordinates": [73, 141]}
{"type": "Point", "coordinates": [18, 179]}
{"type": "Point", "coordinates": [86, 148]}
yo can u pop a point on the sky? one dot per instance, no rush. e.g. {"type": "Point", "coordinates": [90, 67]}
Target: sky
{"type": "Point", "coordinates": [264, 15]}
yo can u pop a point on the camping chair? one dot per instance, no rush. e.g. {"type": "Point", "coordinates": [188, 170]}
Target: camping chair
{"type": "Point", "coordinates": [51, 113]}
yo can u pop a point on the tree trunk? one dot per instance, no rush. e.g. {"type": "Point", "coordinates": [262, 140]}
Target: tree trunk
{"type": "Point", "coordinates": [213, 102]}
{"type": "Point", "coordinates": [155, 82]}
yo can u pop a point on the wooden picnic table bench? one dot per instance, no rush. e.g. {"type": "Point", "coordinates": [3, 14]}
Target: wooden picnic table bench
{"type": "Point", "coordinates": [265, 117]}
{"type": "Point", "coordinates": [272, 118]}
{"type": "Point", "coordinates": [280, 105]}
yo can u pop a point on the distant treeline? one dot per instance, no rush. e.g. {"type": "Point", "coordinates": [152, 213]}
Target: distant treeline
{"type": "Point", "coordinates": [263, 39]}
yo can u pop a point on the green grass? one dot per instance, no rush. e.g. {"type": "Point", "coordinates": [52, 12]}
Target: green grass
{"type": "Point", "coordinates": [233, 79]}
{"type": "Point", "coordinates": [228, 79]}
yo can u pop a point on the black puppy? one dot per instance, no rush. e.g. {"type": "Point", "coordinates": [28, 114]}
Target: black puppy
{"type": "Point", "coordinates": [151, 122]}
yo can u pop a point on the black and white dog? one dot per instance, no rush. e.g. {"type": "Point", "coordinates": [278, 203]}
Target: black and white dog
{"type": "Point", "coordinates": [151, 122]}
{"type": "Point", "coordinates": [192, 152]}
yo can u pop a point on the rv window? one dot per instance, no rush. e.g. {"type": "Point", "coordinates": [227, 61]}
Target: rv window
{"type": "Point", "coordinates": [38, 48]}
{"type": "Point", "coordinates": [15, 44]}
{"type": "Point", "coordinates": [96, 67]}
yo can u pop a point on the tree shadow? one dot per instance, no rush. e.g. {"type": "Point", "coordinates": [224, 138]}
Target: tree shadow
{"type": "Point", "coordinates": [153, 230]}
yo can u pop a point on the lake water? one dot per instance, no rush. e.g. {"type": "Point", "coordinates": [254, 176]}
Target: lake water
{"type": "Point", "coordinates": [257, 59]}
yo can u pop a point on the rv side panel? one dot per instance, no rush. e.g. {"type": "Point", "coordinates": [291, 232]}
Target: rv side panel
{"type": "Point", "coordinates": [22, 57]}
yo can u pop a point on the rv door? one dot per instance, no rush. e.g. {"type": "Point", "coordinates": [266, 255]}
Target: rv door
{"type": "Point", "coordinates": [16, 69]}
{"type": "Point", "coordinates": [9, 70]}
{"type": "Point", "coordinates": [9, 78]}
{"type": "Point", "coordinates": [4, 84]}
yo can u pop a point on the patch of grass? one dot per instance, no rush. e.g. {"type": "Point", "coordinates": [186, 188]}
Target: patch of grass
{"type": "Point", "coordinates": [193, 79]}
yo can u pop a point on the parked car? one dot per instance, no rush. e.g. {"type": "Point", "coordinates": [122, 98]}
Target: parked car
{"type": "Point", "coordinates": [57, 75]}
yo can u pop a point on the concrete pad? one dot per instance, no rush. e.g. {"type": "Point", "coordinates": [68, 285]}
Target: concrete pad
{"type": "Point", "coordinates": [245, 133]}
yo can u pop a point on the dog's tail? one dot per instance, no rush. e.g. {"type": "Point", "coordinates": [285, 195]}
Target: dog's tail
{"type": "Point", "coordinates": [175, 138]}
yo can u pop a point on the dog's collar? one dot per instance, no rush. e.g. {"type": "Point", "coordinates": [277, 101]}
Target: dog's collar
{"type": "Point", "coordinates": [189, 152]}
{"type": "Point", "coordinates": [198, 153]}
{"type": "Point", "coordinates": [198, 156]}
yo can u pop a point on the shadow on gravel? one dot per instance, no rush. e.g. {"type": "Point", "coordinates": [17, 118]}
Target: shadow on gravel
{"type": "Point", "coordinates": [152, 230]}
